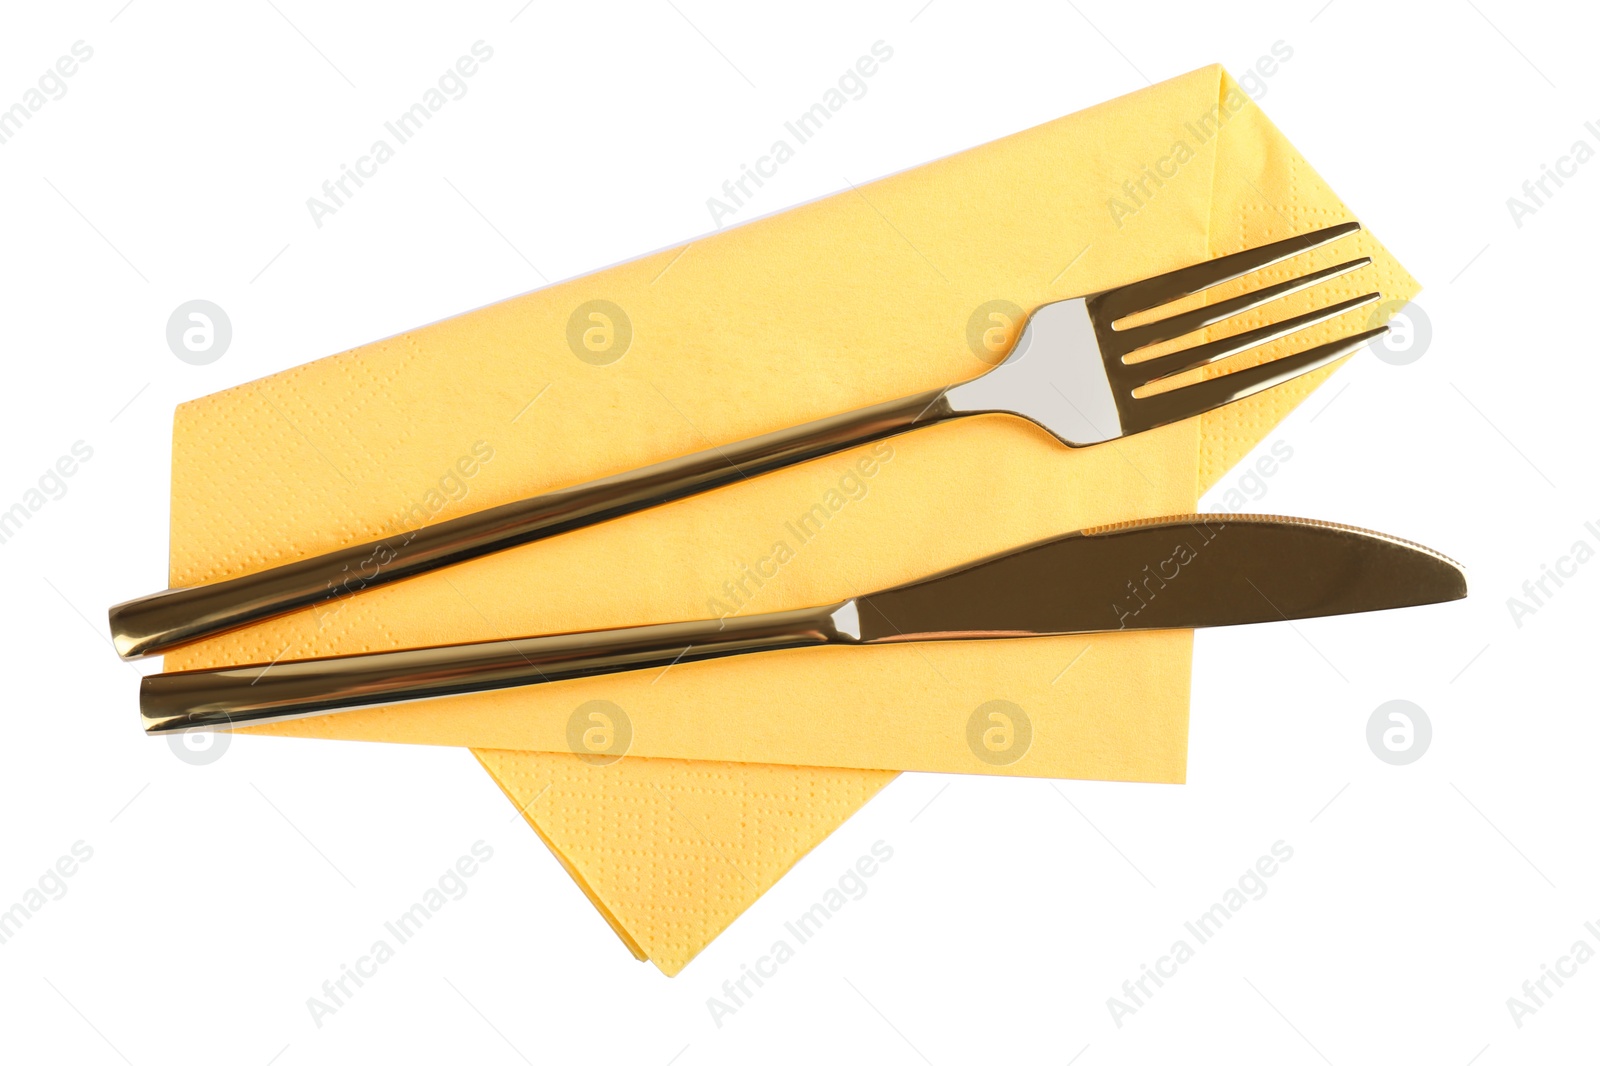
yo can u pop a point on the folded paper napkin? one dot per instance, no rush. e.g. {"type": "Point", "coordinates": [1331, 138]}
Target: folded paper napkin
{"type": "Point", "coordinates": [735, 768]}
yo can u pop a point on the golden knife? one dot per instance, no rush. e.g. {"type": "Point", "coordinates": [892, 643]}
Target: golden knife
{"type": "Point", "coordinates": [1180, 572]}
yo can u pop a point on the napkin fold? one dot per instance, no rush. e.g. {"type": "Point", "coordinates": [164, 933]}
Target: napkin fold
{"type": "Point", "coordinates": [878, 292]}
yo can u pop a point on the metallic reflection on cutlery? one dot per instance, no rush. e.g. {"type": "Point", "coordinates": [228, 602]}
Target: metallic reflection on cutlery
{"type": "Point", "coordinates": [1068, 372]}
{"type": "Point", "coordinates": [1166, 573]}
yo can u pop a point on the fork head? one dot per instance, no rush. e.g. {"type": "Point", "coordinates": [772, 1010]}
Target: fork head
{"type": "Point", "coordinates": [1069, 369]}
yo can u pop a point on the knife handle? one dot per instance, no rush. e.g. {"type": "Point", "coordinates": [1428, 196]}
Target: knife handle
{"type": "Point", "coordinates": [232, 696]}
{"type": "Point", "coordinates": [165, 620]}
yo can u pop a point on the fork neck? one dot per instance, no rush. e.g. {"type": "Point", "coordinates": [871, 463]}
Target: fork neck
{"type": "Point", "coordinates": [1055, 376]}
{"type": "Point", "coordinates": [865, 424]}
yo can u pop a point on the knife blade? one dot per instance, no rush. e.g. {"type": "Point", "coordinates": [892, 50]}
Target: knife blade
{"type": "Point", "coordinates": [1180, 572]}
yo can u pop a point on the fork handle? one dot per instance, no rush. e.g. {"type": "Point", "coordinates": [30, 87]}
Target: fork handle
{"type": "Point", "coordinates": [240, 695]}
{"type": "Point", "coordinates": [165, 620]}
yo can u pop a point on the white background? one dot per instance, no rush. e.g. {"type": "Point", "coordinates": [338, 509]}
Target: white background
{"type": "Point", "coordinates": [220, 897]}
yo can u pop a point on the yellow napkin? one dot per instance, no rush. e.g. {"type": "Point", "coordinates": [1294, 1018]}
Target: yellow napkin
{"type": "Point", "coordinates": [868, 295]}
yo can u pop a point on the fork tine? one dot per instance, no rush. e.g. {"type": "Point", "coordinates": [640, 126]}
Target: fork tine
{"type": "Point", "coordinates": [1166, 366]}
{"type": "Point", "coordinates": [1190, 400]}
{"type": "Point", "coordinates": [1130, 340]}
{"type": "Point", "coordinates": [1185, 281]}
